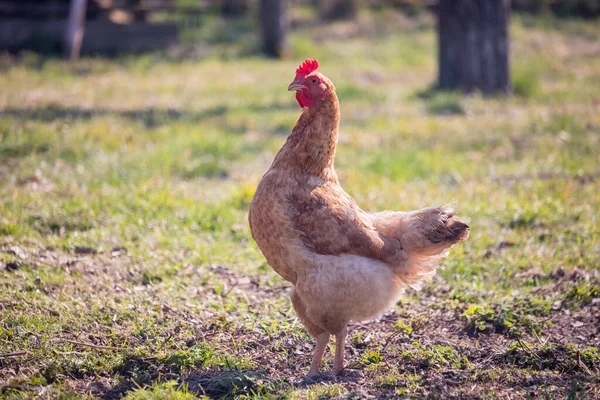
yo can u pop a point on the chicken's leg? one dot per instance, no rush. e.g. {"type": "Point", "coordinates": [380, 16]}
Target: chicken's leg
{"type": "Point", "coordinates": [340, 343]}
{"type": "Point", "coordinates": [322, 341]}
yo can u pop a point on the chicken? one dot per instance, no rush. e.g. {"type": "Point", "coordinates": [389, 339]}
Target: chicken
{"type": "Point", "coordinates": [345, 264]}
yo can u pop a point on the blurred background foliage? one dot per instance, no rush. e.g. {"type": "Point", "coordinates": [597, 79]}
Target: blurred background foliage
{"type": "Point", "coordinates": [38, 24]}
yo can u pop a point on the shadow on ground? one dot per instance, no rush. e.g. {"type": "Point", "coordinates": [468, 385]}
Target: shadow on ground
{"type": "Point", "coordinates": [216, 383]}
{"type": "Point", "coordinates": [219, 383]}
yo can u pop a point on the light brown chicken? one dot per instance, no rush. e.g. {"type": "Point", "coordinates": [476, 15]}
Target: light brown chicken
{"type": "Point", "coordinates": [345, 264]}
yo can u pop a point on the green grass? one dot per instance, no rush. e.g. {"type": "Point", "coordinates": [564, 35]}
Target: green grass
{"type": "Point", "coordinates": [125, 185]}
{"type": "Point", "coordinates": [166, 390]}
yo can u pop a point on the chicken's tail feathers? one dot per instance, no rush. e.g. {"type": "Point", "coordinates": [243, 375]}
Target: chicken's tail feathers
{"type": "Point", "coordinates": [440, 229]}
{"type": "Point", "coordinates": [426, 236]}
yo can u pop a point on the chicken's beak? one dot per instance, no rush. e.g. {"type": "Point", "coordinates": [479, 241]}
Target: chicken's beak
{"type": "Point", "coordinates": [296, 86]}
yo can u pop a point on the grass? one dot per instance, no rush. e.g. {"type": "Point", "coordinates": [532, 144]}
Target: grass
{"type": "Point", "coordinates": [125, 185]}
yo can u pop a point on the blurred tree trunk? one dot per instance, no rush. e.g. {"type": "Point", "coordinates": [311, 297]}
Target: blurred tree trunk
{"type": "Point", "coordinates": [337, 9]}
{"type": "Point", "coordinates": [74, 29]}
{"type": "Point", "coordinates": [234, 8]}
{"type": "Point", "coordinates": [473, 45]}
{"type": "Point", "coordinates": [274, 24]}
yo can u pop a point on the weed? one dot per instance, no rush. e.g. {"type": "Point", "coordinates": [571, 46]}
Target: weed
{"type": "Point", "coordinates": [582, 293]}
{"type": "Point", "coordinates": [402, 327]}
{"type": "Point", "coordinates": [477, 318]}
{"type": "Point", "coordinates": [509, 319]}
{"type": "Point", "coordinates": [525, 82]}
{"type": "Point", "coordinates": [372, 357]}
{"type": "Point", "coordinates": [159, 391]}
{"type": "Point", "coordinates": [434, 357]}
{"type": "Point", "coordinates": [559, 357]}
{"type": "Point", "coordinates": [445, 103]}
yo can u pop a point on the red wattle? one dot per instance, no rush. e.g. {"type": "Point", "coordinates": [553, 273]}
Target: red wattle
{"type": "Point", "coordinates": [304, 100]}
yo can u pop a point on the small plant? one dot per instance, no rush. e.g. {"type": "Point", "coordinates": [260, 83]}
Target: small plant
{"type": "Point", "coordinates": [524, 220]}
{"type": "Point", "coordinates": [159, 391]}
{"type": "Point", "coordinates": [525, 82]}
{"type": "Point", "coordinates": [477, 318]}
{"type": "Point", "coordinates": [436, 356]}
{"type": "Point", "coordinates": [402, 327]}
{"type": "Point", "coordinates": [552, 356]}
{"type": "Point", "coordinates": [390, 379]}
{"type": "Point", "coordinates": [408, 383]}
{"type": "Point", "coordinates": [582, 294]}
{"type": "Point", "coordinates": [445, 103]}
{"type": "Point", "coordinates": [372, 357]}
{"type": "Point", "coordinates": [7, 228]}
{"type": "Point", "coordinates": [359, 340]}
{"type": "Point", "coordinates": [194, 357]}
{"type": "Point", "coordinates": [508, 319]}
{"type": "Point", "coordinates": [149, 278]}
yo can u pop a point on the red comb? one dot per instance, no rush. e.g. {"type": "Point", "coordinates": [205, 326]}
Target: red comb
{"type": "Point", "coordinates": [307, 67]}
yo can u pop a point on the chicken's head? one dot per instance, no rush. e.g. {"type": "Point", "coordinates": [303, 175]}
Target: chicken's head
{"type": "Point", "coordinates": [309, 84]}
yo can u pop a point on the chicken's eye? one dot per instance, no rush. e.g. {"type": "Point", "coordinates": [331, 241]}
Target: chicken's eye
{"type": "Point", "coordinates": [314, 80]}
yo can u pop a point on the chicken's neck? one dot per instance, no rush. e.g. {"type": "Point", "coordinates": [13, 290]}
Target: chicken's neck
{"type": "Point", "coordinates": [310, 148]}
